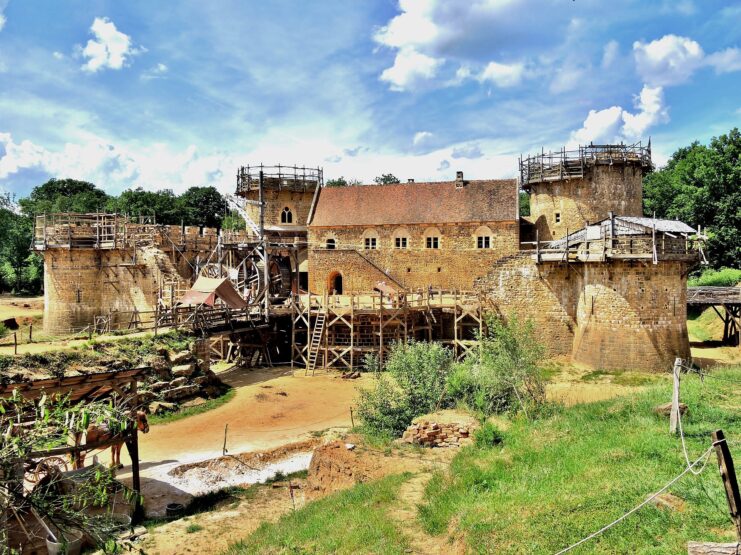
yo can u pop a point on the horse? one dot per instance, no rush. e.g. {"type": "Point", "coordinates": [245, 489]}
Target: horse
{"type": "Point", "coordinates": [100, 432]}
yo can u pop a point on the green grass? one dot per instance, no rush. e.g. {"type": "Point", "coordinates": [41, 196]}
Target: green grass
{"type": "Point", "coordinates": [556, 480]}
{"type": "Point", "coordinates": [622, 377]}
{"type": "Point", "coordinates": [705, 325]}
{"type": "Point", "coordinates": [192, 528]}
{"type": "Point", "coordinates": [351, 521]}
{"type": "Point", "coordinates": [210, 404]}
{"type": "Point", "coordinates": [725, 277]}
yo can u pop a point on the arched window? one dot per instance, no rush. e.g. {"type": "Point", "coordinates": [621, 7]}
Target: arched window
{"type": "Point", "coordinates": [331, 244]}
{"type": "Point", "coordinates": [286, 217]}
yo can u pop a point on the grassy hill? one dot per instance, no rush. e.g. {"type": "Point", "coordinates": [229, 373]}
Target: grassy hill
{"type": "Point", "coordinates": [550, 483]}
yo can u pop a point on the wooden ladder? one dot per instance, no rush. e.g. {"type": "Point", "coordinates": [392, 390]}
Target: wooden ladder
{"type": "Point", "coordinates": [316, 341]}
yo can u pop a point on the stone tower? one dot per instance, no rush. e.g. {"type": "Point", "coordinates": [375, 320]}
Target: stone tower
{"type": "Point", "coordinates": [571, 188]}
{"type": "Point", "coordinates": [287, 192]}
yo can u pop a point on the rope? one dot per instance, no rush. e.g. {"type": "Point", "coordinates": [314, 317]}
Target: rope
{"type": "Point", "coordinates": [684, 449]}
{"type": "Point", "coordinates": [704, 374]}
{"type": "Point", "coordinates": [705, 456]}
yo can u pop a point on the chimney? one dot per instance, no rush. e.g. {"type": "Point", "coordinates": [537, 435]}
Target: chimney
{"type": "Point", "coordinates": [459, 183]}
{"type": "Point", "coordinates": [410, 180]}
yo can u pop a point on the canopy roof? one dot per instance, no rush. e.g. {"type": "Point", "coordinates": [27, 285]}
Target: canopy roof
{"type": "Point", "coordinates": [206, 291]}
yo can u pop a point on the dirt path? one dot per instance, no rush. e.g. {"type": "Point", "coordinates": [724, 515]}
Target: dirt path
{"type": "Point", "coordinates": [405, 511]}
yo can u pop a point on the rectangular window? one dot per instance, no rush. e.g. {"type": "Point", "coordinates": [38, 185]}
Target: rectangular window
{"type": "Point", "coordinates": [558, 217]}
{"type": "Point", "coordinates": [483, 242]}
{"type": "Point", "coordinates": [401, 242]}
{"type": "Point", "coordinates": [433, 242]}
{"type": "Point", "coordinates": [370, 243]}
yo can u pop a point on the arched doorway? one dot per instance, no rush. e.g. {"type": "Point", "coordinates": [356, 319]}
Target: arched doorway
{"type": "Point", "coordinates": [334, 283]}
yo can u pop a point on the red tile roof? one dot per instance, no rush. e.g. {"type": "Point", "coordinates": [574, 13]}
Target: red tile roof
{"type": "Point", "coordinates": [440, 202]}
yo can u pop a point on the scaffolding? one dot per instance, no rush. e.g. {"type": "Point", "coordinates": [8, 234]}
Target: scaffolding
{"type": "Point", "coordinates": [572, 164]}
{"type": "Point", "coordinates": [339, 331]}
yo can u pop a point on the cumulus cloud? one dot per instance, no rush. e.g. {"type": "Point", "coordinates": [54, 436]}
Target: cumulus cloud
{"type": "Point", "coordinates": [503, 75]}
{"type": "Point", "coordinates": [58, 55]}
{"type": "Point", "coordinates": [672, 60]}
{"type": "Point", "coordinates": [109, 49]}
{"type": "Point", "coordinates": [3, 19]}
{"type": "Point", "coordinates": [462, 35]}
{"type": "Point", "coordinates": [472, 150]}
{"type": "Point", "coordinates": [410, 68]}
{"type": "Point", "coordinates": [616, 124]}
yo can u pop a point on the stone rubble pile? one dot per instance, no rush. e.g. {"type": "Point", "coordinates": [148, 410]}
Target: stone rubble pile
{"type": "Point", "coordinates": [440, 430]}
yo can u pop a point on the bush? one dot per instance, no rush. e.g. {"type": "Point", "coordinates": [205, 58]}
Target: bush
{"type": "Point", "coordinates": [504, 373]}
{"type": "Point", "coordinates": [488, 435]}
{"type": "Point", "coordinates": [415, 384]}
{"type": "Point", "coordinates": [725, 277]}
{"type": "Point", "coordinates": [3, 330]}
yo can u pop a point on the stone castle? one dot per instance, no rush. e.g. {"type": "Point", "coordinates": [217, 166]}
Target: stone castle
{"type": "Point", "coordinates": [601, 282]}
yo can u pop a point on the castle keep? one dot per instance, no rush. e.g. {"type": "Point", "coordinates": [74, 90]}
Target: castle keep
{"type": "Point", "coordinates": [336, 273]}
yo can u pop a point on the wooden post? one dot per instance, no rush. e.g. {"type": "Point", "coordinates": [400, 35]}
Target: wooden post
{"type": "Point", "coordinates": [30, 333]}
{"type": "Point", "coordinates": [132, 445]}
{"type": "Point", "coordinates": [15, 343]}
{"type": "Point", "coordinates": [674, 416]}
{"type": "Point", "coordinates": [728, 475]}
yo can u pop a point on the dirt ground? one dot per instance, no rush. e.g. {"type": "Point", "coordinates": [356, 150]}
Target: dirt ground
{"type": "Point", "coordinates": [272, 407]}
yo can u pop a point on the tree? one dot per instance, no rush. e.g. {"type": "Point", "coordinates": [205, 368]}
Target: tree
{"type": "Point", "coordinates": [386, 179]}
{"type": "Point", "coordinates": [342, 182]}
{"type": "Point", "coordinates": [64, 195]}
{"type": "Point", "coordinates": [163, 205]}
{"type": "Point", "coordinates": [202, 206]}
{"type": "Point", "coordinates": [701, 185]}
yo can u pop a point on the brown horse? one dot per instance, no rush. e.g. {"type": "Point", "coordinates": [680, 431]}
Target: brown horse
{"type": "Point", "coordinates": [100, 432]}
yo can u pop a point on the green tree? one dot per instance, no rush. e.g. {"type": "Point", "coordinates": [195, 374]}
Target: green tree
{"type": "Point", "coordinates": [163, 205]}
{"type": "Point", "coordinates": [341, 182]}
{"type": "Point", "coordinates": [701, 185]}
{"type": "Point", "coordinates": [386, 179]}
{"type": "Point", "coordinates": [202, 206]}
{"type": "Point", "coordinates": [64, 195]}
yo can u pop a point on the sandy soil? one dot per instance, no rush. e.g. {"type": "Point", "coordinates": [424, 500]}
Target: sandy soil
{"type": "Point", "coordinates": [272, 407]}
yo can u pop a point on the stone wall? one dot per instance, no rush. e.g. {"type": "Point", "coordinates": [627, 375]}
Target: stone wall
{"type": "Point", "coordinates": [80, 284]}
{"type": "Point", "coordinates": [299, 203]}
{"type": "Point", "coordinates": [617, 188]}
{"type": "Point", "coordinates": [454, 265]}
{"type": "Point", "coordinates": [612, 315]}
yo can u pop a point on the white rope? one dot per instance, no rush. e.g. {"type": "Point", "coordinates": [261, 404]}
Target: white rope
{"type": "Point", "coordinates": [684, 449]}
{"type": "Point", "coordinates": [705, 456]}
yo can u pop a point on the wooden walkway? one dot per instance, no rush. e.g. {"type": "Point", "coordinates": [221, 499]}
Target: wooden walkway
{"type": "Point", "coordinates": [726, 298]}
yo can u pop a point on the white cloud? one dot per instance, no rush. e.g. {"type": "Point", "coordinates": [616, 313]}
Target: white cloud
{"type": "Point", "coordinates": [610, 54]}
{"type": "Point", "coordinates": [410, 68]}
{"type": "Point", "coordinates": [444, 165]}
{"type": "Point", "coordinates": [669, 60]}
{"type": "Point", "coordinates": [421, 138]}
{"type": "Point", "coordinates": [725, 61]}
{"type": "Point", "coordinates": [155, 72]}
{"type": "Point", "coordinates": [110, 49]}
{"type": "Point", "coordinates": [503, 75]}
{"type": "Point", "coordinates": [3, 20]}
{"type": "Point", "coordinates": [58, 56]}
{"type": "Point", "coordinates": [616, 124]}
{"type": "Point", "coordinates": [672, 60]}
{"type": "Point", "coordinates": [472, 150]}
{"type": "Point", "coordinates": [567, 78]}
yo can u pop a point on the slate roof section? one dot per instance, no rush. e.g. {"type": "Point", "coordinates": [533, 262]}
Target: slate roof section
{"type": "Point", "coordinates": [489, 200]}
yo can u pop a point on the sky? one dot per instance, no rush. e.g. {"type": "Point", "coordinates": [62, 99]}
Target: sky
{"type": "Point", "coordinates": [178, 94]}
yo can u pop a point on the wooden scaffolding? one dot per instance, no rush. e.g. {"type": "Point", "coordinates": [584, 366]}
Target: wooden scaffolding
{"type": "Point", "coordinates": [339, 331]}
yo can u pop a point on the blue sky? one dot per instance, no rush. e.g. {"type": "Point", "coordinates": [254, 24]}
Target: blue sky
{"type": "Point", "coordinates": [175, 94]}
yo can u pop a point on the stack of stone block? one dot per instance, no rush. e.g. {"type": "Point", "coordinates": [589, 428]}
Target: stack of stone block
{"type": "Point", "coordinates": [441, 429]}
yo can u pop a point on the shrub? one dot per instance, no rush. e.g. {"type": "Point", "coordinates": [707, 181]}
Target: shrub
{"type": "Point", "coordinates": [725, 277]}
{"type": "Point", "coordinates": [488, 435]}
{"type": "Point", "coordinates": [415, 383]}
{"type": "Point", "coordinates": [503, 374]}
{"type": "Point", "coordinates": [3, 330]}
